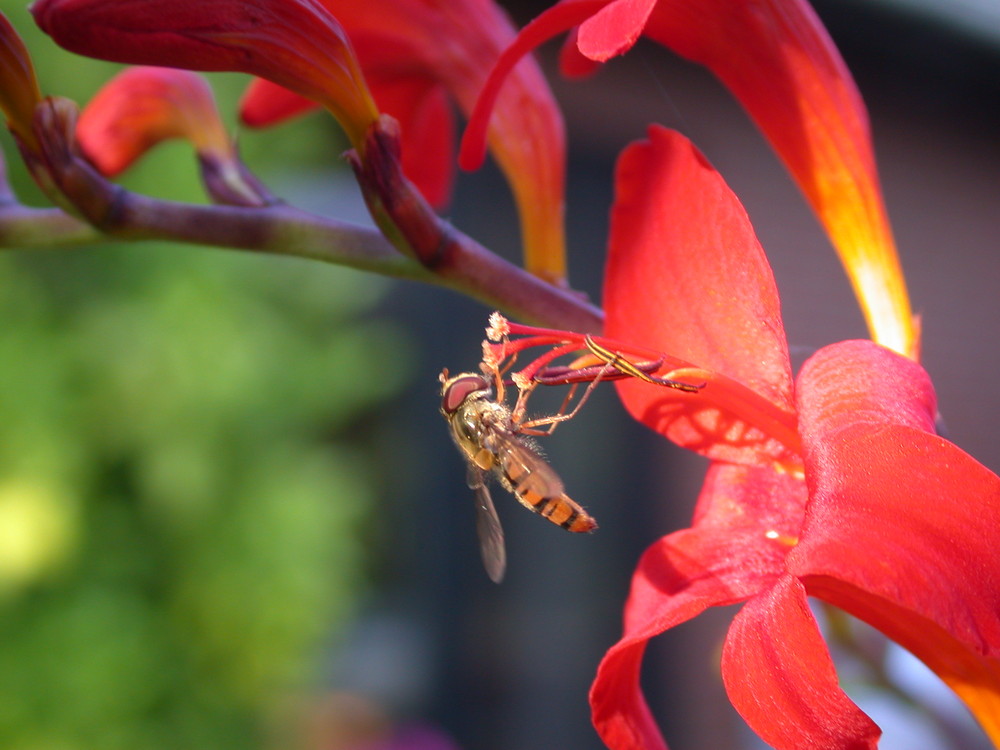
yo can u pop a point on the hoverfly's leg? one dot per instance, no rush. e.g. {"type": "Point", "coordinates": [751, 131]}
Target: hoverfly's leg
{"type": "Point", "coordinates": [521, 405]}
{"type": "Point", "coordinates": [618, 362]}
{"type": "Point", "coordinates": [503, 365]}
{"type": "Point", "coordinates": [494, 367]}
{"type": "Point", "coordinates": [531, 427]}
{"type": "Point", "coordinates": [565, 404]}
{"type": "Point", "coordinates": [517, 415]}
{"type": "Point", "coordinates": [501, 394]}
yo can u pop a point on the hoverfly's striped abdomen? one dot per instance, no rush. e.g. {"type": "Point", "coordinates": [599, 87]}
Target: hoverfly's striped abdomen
{"type": "Point", "coordinates": [539, 488]}
{"type": "Point", "coordinates": [561, 510]}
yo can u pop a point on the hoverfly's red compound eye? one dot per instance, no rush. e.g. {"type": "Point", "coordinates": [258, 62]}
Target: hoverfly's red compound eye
{"type": "Point", "coordinates": [460, 388]}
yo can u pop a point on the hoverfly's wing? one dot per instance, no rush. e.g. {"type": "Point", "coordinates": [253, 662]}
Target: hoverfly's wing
{"type": "Point", "coordinates": [523, 466]}
{"type": "Point", "coordinates": [537, 486]}
{"type": "Point", "coordinates": [488, 528]}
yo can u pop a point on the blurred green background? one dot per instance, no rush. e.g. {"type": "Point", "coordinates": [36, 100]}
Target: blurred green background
{"type": "Point", "coordinates": [184, 499]}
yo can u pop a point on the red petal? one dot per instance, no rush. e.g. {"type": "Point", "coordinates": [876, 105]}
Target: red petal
{"type": "Point", "coordinates": [556, 20]}
{"type": "Point", "coordinates": [780, 677]}
{"type": "Point", "coordinates": [725, 558]}
{"type": "Point", "coordinates": [427, 130]}
{"type": "Point", "coordinates": [295, 43]}
{"type": "Point", "coordinates": [777, 59]}
{"type": "Point", "coordinates": [614, 28]}
{"type": "Point", "coordinates": [572, 63]}
{"type": "Point", "coordinates": [142, 106]}
{"type": "Point", "coordinates": [265, 103]}
{"type": "Point", "coordinates": [428, 133]}
{"type": "Point", "coordinates": [856, 382]}
{"type": "Point", "coordinates": [686, 276]}
{"type": "Point", "coordinates": [901, 528]}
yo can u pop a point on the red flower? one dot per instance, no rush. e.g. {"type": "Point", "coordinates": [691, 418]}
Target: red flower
{"type": "Point", "coordinates": [414, 54]}
{"type": "Point", "coordinates": [833, 485]}
{"type": "Point", "coordinates": [776, 58]}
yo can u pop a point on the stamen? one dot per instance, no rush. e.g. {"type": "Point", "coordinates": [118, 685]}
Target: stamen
{"type": "Point", "coordinates": [720, 395]}
{"type": "Point", "coordinates": [498, 328]}
{"type": "Point", "coordinates": [528, 373]}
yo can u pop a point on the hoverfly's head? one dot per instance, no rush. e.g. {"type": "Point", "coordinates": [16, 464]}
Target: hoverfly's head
{"type": "Point", "coordinates": [457, 390]}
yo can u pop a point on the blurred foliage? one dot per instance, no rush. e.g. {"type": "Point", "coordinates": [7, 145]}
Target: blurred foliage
{"type": "Point", "coordinates": [182, 507]}
{"type": "Point", "coordinates": [179, 508]}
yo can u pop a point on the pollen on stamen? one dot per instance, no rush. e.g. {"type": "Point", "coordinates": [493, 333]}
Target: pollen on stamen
{"type": "Point", "coordinates": [492, 356]}
{"type": "Point", "coordinates": [783, 539]}
{"type": "Point", "coordinates": [521, 381]}
{"type": "Point", "coordinates": [498, 328]}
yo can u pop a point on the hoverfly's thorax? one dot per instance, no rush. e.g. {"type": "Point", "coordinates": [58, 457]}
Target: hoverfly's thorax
{"type": "Point", "coordinates": [473, 422]}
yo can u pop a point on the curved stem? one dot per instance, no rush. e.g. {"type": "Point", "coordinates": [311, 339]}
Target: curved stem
{"type": "Point", "coordinates": [24, 227]}
{"type": "Point", "coordinates": [282, 230]}
{"type": "Point", "coordinates": [445, 256]}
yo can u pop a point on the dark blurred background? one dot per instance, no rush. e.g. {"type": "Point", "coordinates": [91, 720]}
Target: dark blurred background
{"type": "Point", "coordinates": [231, 517]}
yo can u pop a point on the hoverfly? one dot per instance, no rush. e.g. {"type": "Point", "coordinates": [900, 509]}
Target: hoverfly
{"type": "Point", "coordinates": [493, 438]}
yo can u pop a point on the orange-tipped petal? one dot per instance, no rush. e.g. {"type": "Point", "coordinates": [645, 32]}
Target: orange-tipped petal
{"type": "Point", "coordinates": [777, 59]}
{"type": "Point", "coordinates": [295, 43]}
{"type": "Point", "coordinates": [403, 39]}
{"type": "Point", "coordinates": [526, 137]}
{"type": "Point", "coordinates": [19, 92]}
{"type": "Point", "coordinates": [142, 106]}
